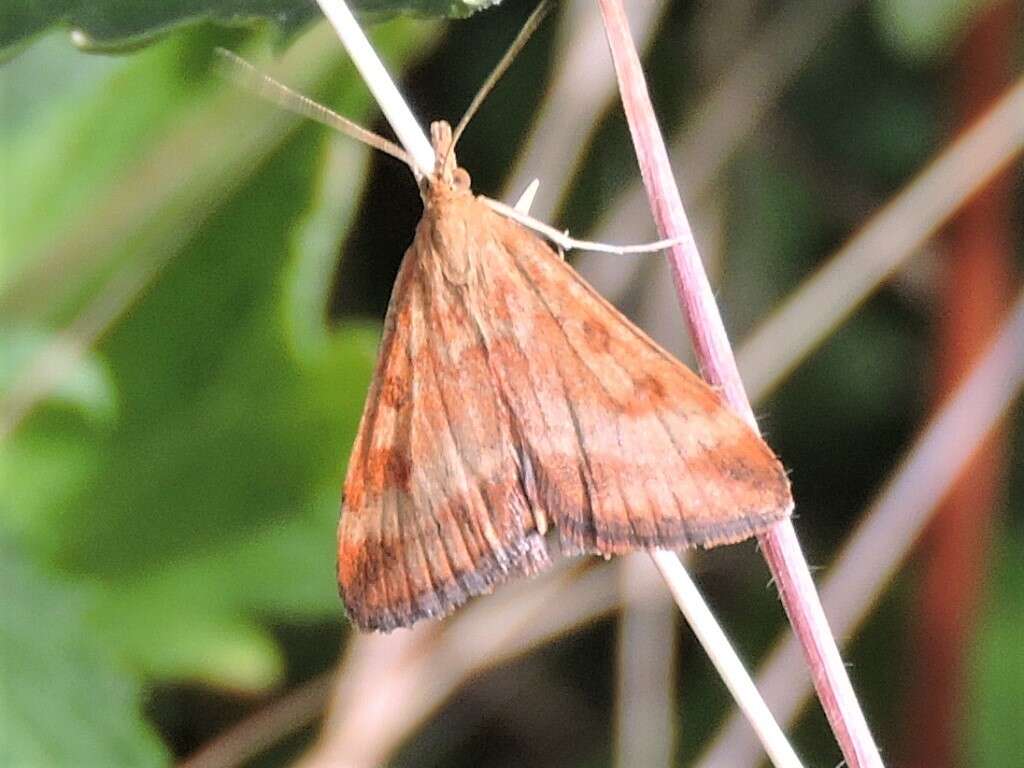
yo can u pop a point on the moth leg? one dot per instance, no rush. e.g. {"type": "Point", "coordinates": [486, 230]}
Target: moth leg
{"type": "Point", "coordinates": [563, 240]}
{"type": "Point", "coordinates": [561, 250]}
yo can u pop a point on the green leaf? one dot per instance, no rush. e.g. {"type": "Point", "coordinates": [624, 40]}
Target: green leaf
{"type": "Point", "coordinates": [922, 30]}
{"type": "Point", "coordinates": [87, 387]}
{"type": "Point", "coordinates": [75, 167]}
{"type": "Point", "coordinates": [207, 508]}
{"type": "Point", "coordinates": [112, 24]}
{"type": "Point", "coordinates": [226, 438]}
{"type": "Point", "coordinates": [107, 108]}
{"type": "Point", "coordinates": [996, 675]}
{"type": "Point", "coordinates": [282, 570]}
{"type": "Point", "coordinates": [63, 699]}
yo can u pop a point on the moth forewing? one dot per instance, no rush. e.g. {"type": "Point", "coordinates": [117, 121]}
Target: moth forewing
{"type": "Point", "coordinates": [509, 394]}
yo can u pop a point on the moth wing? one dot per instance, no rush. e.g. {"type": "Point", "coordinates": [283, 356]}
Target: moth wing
{"type": "Point", "coordinates": [434, 511]}
{"type": "Point", "coordinates": [624, 446]}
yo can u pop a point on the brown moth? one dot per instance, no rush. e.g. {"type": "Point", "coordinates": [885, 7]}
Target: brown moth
{"type": "Point", "coordinates": [510, 396]}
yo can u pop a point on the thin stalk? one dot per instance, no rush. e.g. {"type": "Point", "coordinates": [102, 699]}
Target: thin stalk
{"type": "Point", "coordinates": [780, 545]}
{"type": "Point", "coordinates": [682, 588]}
{"type": "Point", "coordinates": [880, 247]}
{"type": "Point", "coordinates": [242, 743]}
{"type": "Point", "coordinates": [646, 704]}
{"type": "Point", "coordinates": [871, 556]}
{"type": "Point", "coordinates": [733, 108]}
{"type": "Point", "coordinates": [383, 88]}
{"type": "Point", "coordinates": [722, 655]}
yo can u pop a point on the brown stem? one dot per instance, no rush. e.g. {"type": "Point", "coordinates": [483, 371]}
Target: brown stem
{"type": "Point", "coordinates": [780, 546]}
{"type": "Point", "coordinates": [972, 300]}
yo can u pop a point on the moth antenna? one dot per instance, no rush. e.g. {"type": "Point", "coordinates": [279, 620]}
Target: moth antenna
{"type": "Point", "coordinates": [513, 50]}
{"type": "Point", "coordinates": [237, 69]}
{"type": "Point", "coordinates": [564, 241]}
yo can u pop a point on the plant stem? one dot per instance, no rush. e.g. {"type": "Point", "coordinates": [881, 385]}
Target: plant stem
{"type": "Point", "coordinates": [722, 655]}
{"type": "Point", "coordinates": [383, 88]}
{"type": "Point", "coordinates": [780, 545]}
{"type": "Point", "coordinates": [870, 558]}
{"type": "Point", "coordinates": [955, 553]}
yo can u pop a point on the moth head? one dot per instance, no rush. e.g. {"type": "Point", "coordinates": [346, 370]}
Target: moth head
{"type": "Point", "coordinates": [447, 172]}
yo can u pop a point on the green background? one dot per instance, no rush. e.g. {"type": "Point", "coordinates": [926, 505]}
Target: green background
{"type": "Point", "coordinates": [167, 513]}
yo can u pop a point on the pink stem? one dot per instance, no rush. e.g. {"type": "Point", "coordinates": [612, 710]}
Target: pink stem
{"type": "Point", "coordinates": [780, 546]}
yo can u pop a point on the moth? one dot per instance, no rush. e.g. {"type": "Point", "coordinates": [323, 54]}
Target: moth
{"type": "Point", "coordinates": [511, 399]}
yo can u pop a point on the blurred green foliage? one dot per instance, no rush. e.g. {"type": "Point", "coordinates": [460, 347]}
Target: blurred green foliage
{"type": "Point", "coordinates": [114, 25]}
{"type": "Point", "coordinates": [997, 677]}
{"type": "Point", "coordinates": [188, 471]}
{"type": "Point", "coordinates": [65, 699]}
{"type": "Point", "coordinates": [168, 510]}
{"type": "Point", "coordinates": [924, 29]}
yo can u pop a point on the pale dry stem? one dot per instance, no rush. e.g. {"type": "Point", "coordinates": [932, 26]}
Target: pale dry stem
{"type": "Point", "coordinates": [725, 659]}
{"type": "Point", "coordinates": [837, 288]}
{"type": "Point", "coordinates": [646, 706]}
{"type": "Point", "coordinates": [241, 743]}
{"type": "Point", "coordinates": [383, 88]}
{"type": "Point", "coordinates": [384, 691]}
{"type": "Point", "coordinates": [726, 115]}
{"type": "Point", "coordinates": [890, 527]}
{"type": "Point", "coordinates": [780, 545]}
